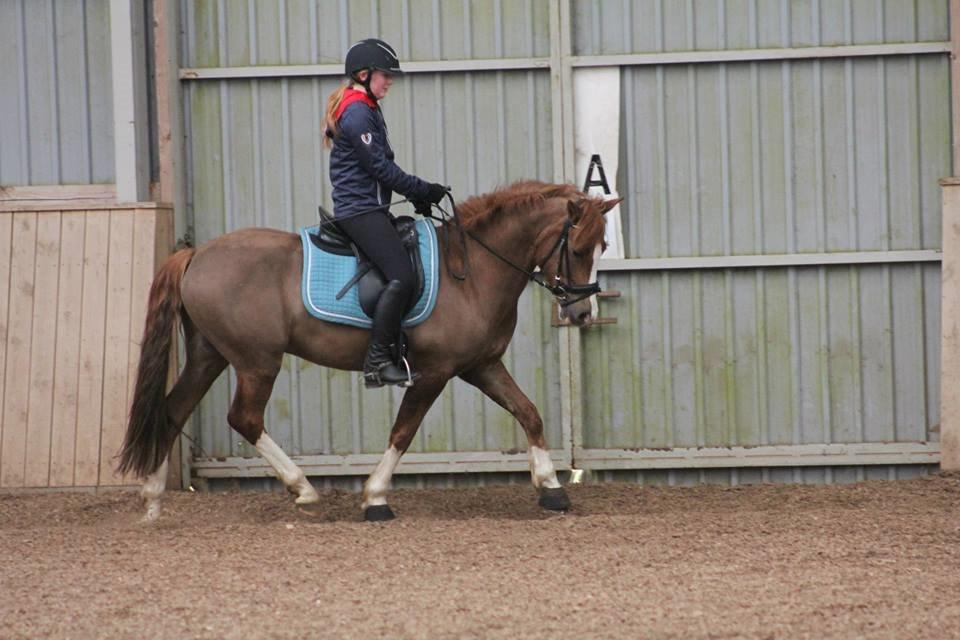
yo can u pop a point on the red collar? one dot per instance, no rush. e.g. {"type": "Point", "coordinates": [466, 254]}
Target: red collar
{"type": "Point", "coordinates": [350, 96]}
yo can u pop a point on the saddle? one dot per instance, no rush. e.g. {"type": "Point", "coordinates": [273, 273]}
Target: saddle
{"type": "Point", "coordinates": [330, 238]}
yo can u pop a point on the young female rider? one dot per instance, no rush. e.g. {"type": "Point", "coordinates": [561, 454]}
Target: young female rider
{"type": "Point", "coordinates": [364, 176]}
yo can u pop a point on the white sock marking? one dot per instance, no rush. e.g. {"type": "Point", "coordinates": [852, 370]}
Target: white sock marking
{"type": "Point", "coordinates": [289, 473]}
{"type": "Point", "coordinates": [541, 469]}
{"type": "Point", "coordinates": [375, 489]}
{"type": "Point", "coordinates": [153, 488]}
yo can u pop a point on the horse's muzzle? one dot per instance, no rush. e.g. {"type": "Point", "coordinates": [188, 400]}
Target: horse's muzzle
{"type": "Point", "coordinates": [580, 313]}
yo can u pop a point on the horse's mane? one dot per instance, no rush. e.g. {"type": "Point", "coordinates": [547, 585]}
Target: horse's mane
{"type": "Point", "coordinates": [519, 196]}
{"type": "Point", "coordinates": [477, 211]}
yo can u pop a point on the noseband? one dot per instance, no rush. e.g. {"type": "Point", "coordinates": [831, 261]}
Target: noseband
{"type": "Point", "coordinates": [566, 293]}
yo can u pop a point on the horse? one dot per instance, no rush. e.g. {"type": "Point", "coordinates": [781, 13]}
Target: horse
{"type": "Point", "coordinates": [553, 234]}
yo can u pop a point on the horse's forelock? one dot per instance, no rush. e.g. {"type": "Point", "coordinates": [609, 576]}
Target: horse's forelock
{"type": "Point", "coordinates": [589, 230]}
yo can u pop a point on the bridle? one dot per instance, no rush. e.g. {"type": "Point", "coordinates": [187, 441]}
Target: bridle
{"type": "Point", "coordinates": [565, 291]}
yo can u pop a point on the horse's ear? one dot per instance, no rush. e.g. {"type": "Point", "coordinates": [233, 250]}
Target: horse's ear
{"type": "Point", "coordinates": [574, 210]}
{"type": "Point", "coordinates": [610, 204]}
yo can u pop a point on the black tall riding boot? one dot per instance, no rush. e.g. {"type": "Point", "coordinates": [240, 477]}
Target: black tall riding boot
{"type": "Point", "coordinates": [379, 367]}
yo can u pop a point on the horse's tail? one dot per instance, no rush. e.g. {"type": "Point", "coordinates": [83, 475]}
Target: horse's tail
{"type": "Point", "coordinates": [150, 432]}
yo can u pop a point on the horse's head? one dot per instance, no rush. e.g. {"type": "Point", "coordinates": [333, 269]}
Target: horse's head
{"type": "Point", "coordinates": [572, 265]}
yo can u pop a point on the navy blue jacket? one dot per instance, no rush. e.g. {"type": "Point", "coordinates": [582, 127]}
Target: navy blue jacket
{"type": "Point", "coordinates": [362, 170]}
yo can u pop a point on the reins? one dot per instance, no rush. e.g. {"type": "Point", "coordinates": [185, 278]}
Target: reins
{"type": "Point", "coordinates": [561, 290]}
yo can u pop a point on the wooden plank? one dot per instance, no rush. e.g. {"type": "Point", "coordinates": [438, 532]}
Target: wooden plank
{"type": "Point", "coordinates": [59, 206]}
{"type": "Point", "coordinates": [6, 257]}
{"type": "Point", "coordinates": [42, 193]}
{"type": "Point", "coordinates": [67, 364]}
{"type": "Point", "coordinates": [116, 349]}
{"type": "Point", "coordinates": [42, 350]}
{"type": "Point", "coordinates": [950, 329]}
{"type": "Point", "coordinates": [92, 328]}
{"type": "Point", "coordinates": [144, 247]}
{"type": "Point", "coordinates": [955, 79]}
{"type": "Point", "coordinates": [19, 327]}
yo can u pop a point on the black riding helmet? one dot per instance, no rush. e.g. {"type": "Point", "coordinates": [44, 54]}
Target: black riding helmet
{"type": "Point", "coordinates": [371, 53]}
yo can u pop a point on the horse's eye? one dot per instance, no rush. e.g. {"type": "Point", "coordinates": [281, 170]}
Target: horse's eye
{"type": "Point", "coordinates": [580, 254]}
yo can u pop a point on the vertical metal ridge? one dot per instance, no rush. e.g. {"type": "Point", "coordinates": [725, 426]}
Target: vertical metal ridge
{"type": "Point", "coordinates": [634, 245]}
{"type": "Point", "coordinates": [826, 421]}
{"type": "Point", "coordinates": [792, 287]}
{"type": "Point", "coordinates": [730, 396]}
{"type": "Point", "coordinates": [56, 160]}
{"type": "Point", "coordinates": [439, 91]}
{"type": "Point", "coordinates": [408, 152]}
{"type": "Point", "coordinates": [696, 240]}
{"type": "Point", "coordinates": [853, 229]}
{"type": "Point", "coordinates": [693, 155]}
{"type": "Point", "coordinates": [886, 227]}
{"type": "Point", "coordinates": [761, 403]}
{"type": "Point", "coordinates": [227, 168]}
{"type": "Point", "coordinates": [344, 26]}
{"type": "Point", "coordinates": [84, 102]}
{"type": "Point", "coordinates": [26, 168]}
{"type": "Point", "coordinates": [501, 97]}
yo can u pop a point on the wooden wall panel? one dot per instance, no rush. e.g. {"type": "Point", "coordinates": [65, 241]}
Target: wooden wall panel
{"type": "Point", "coordinates": [92, 323]}
{"type": "Point", "coordinates": [19, 329]}
{"type": "Point", "coordinates": [6, 251]}
{"type": "Point", "coordinates": [117, 348]}
{"type": "Point", "coordinates": [71, 320]}
{"type": "Point", "coordinates": [67, 358]}
{"type": "Point", "coordinates": [42, 350]}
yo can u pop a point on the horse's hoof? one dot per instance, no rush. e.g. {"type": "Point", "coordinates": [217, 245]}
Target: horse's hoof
{"type": "Point", "coordinates": [309, 497]}
{"type": "Point", "coordinates": [554, 499]}
{"type": "Point", "coordinates": [378, 513]}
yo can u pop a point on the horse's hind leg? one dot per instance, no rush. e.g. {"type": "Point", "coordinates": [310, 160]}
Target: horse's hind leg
{"type": "Point", "coordinates": [204, 363]}
{"type": "Point", "coordinates": [246, 417]}
{"type": "Point", "coordinates": [497, 383]}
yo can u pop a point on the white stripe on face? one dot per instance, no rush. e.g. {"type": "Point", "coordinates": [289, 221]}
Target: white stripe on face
{"type": "Point", "coordinates": [594, 307]}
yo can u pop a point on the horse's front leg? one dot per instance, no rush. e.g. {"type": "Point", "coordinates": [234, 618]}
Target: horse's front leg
{"type": "Point", "coordinates": [497, 383]}
{"type": "Point", "coordinates": [416, 402]}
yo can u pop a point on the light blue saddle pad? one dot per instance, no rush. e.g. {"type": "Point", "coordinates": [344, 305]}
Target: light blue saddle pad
{"type": "Point", "coordinates": [324, 275]}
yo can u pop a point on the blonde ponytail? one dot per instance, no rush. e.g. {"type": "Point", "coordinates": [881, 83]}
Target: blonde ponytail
{"type": "Point", "coordinates": [330, 129]}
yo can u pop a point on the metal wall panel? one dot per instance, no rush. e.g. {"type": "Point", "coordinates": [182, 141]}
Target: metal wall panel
{"type": "Point", "coordinates": [56, 106]}
{"type": "Point", "coordinates": [255, 159]}
{"type": "Point", "coordinates": [778, 157]}
{"type": "Point", "coordinates": [772, 157]}
{"type": "Point", "coordinates": [645, 26]}
{"type": "Point", "coordinates": [242, 32]}
{"type": "Point", "coordinates": [785, 157]}
{"type": "Point", "coordinates": [765, 356]}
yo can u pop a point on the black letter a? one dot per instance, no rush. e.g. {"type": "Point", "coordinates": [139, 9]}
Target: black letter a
{"type": "Point", "coordinates": [602, 182]}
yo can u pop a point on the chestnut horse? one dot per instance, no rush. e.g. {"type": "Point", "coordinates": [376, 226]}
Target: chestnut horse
{"type": "Point", "coordinates": [512, 232]}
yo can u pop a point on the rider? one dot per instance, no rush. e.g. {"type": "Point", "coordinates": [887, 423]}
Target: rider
{"type": "Point", "coordinates": [364, 176]}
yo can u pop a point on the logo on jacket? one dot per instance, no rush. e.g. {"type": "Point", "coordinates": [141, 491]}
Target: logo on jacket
{"type": "Point", "coordinates": [366, 138]}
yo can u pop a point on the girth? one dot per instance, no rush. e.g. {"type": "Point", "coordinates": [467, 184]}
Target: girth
{"type": "Point", "coordinates": [368, 278]}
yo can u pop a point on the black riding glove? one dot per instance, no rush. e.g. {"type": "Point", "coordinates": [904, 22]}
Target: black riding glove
{"type": "Point", "coordinates": [421, 207]}
{"type": "Point", "coordinates": [436, 192]}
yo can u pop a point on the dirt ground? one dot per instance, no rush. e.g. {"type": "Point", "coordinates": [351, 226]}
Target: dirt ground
{"type": "Point", "coordinates": [873, 560]}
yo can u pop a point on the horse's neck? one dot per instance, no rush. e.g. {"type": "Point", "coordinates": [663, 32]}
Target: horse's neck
{"type": "Point", "coordinates": [520, 242]}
